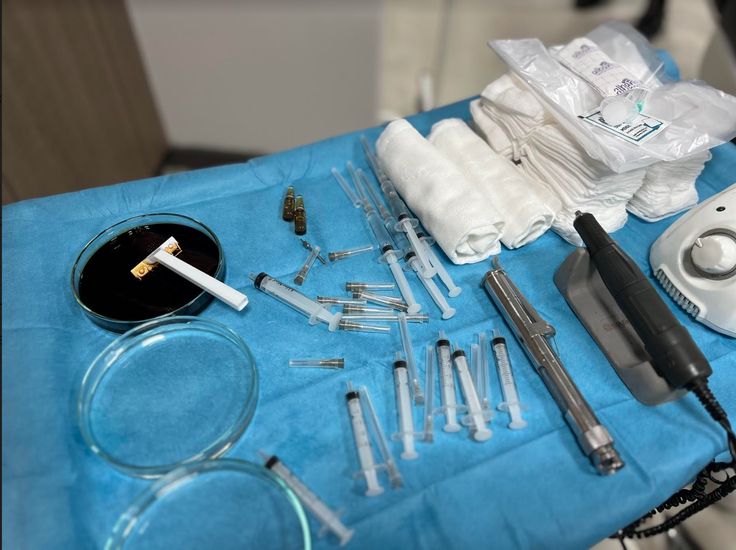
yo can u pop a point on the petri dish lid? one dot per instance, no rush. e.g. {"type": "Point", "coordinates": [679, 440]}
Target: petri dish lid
{"type": "Point", "coordinates": [166, 393]}
{"type": "Point", "coordinates": [223, 504]}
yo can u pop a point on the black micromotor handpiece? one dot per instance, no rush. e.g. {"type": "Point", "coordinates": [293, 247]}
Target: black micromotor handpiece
{"type": "Point", "coordinates": [675, 355]}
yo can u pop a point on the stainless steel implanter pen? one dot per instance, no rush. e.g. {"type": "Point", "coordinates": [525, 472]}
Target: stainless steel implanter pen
{"type": "Point", "coordinates": [533, 334]}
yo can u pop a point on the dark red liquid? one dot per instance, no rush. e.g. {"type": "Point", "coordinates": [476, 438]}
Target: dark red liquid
{"type": "Point", "coordinates": [108, 288]}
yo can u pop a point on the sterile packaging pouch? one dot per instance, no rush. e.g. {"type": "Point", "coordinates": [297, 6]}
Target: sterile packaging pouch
{"type": "Point", "coordinates": [678, 119]}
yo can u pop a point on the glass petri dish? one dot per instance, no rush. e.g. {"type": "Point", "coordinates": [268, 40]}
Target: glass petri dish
{"type": "Point", "coordinates": [223, 504]}
{"type": "Point", "coordinates": [166, 393]}
{"type": "Point", "coordinates": [109, 294]}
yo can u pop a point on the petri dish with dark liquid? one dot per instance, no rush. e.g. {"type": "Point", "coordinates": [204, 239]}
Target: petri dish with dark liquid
{"type": "Point", "coordinates": [115, 299]}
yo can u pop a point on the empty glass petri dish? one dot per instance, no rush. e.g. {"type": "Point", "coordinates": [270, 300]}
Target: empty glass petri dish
{"type": "Point", "coordinates": [166, 393]}
{"type": "Point", "coordinates": [113, 298]}
{"type": "Point", "coordinates": [223, 504]}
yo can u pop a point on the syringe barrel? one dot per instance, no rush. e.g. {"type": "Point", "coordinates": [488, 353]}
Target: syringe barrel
{"type": "Point", "coordinates": [411, 364]}
{"type": "Point", "coordinates": [403, 404]}
{"type": "Point", "coordinates": [429, 394]}
{"type": "Point", "coordinates": [298, 301]}
{"type": "Point", "coordinates": [363, 444]}
{"type": "Point", "coordinates": [508, 385]}
{"type": "Point", "coordinates": [437, 297]}
{"type": "Point", "coordinates": [383, 238]}
{"type": "Point", "coordinates": [403, 284]}
{"type": "Point", "coordinates": [326, 516]}
{"type": "Point", "coordinates": [447, 386]}
{"type": "Point", "coordinates": [480, 431]}
{"type": "Point", "coordinates": [398, 207]}
{"type": "Point", "coordinates": [453, 289]}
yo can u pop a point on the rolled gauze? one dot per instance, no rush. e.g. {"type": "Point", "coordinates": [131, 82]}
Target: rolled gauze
{"type": "Point", "coordinates": [527, 209]}
{"type": "Point", "coordinates": [461, 219]}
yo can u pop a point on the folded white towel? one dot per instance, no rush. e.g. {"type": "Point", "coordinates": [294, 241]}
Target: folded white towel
{"type": "Point", "coordinates": [494, 135]}
{"type": "Point", "coordinates": [527, 209]}
{"type": "Point", "coordinates": [580, 182]}
{"type": "Point", "coordinates": [668, 188]}
{"type": "Point", "coordinates": [461, 218]}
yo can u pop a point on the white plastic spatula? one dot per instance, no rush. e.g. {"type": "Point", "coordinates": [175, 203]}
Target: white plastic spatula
{"type": "Point", "coordinates": [165, 255]}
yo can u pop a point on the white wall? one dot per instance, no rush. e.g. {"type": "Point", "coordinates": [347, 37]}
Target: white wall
{"type": "Point", "coordinates": [260, 75]}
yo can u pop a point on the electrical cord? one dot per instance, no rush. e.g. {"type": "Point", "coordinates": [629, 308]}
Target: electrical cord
{"type": "Point", "coordinates": [696, 495]}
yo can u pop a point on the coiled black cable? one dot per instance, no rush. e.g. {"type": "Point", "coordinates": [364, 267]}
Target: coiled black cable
{"type": "Point", "coordinates": [695, 495]}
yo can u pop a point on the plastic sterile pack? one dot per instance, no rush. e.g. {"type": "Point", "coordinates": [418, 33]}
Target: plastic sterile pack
{"type": "Point", "coordinates": [696, 116]}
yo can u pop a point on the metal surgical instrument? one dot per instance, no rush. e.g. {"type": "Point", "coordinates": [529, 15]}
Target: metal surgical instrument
{"type": "Point", "coordinates": [330, 300]}
{"type": "Point", "coordinates": [354, 286]}
{"type": "Point", "coordinates": [336, 363]}
{"type": "Point", "coordinates": [342, 254]}
{"type": "Point", "coordinates": [380, 299]}
{"type": "Point", "coordinates": [533, 334]}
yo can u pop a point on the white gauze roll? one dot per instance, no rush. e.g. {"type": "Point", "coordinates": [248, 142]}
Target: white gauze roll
{"type": "Point", "coordinates": [461, 219]}
{"type": "Point", "coordinates": [527, 209]}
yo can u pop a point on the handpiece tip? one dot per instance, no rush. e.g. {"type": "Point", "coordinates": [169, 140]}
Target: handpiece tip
{"type": "Point", "coordinates": [607, 460]}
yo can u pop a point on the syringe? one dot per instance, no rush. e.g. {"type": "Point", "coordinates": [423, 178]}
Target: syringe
{"type": "Point", "coordinates": [403, 406]}
{"type": "Point", "coordinates": [368, 466]}
{"type": "Point", "coordinates": [404, 220]}
{"type": "Point", "coordinates": [482, 384]}
{"type": "Point", "coordinates": [352, 197]}
{"type": "Point", "coordinates": [508, 386]}
{"type": "Point", "coordinates": [427, 241]}
{"type": "Point", "coordinates": [447, 311]}
{"type": "Point", "coordinates": [409, 354]}
{"type": "Point", "coordinates": [292, 297]}
{"type": "Point", "coordinates": [429, 395]}
{"type": "Point", "coordinates": [388, 253]}
{"type": "Point", "coordinates": [388, 220]}
{"type": "Point", "coordinates": [308, 263]}
{"type": "Point", "coordinates": [394, 475]}
{"type": "Point", "coordinates": [447, 385]}
{"type": "Point", "coordinates": [474, 419]}
{"type": "Point", "coordinates": [328, 518]}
